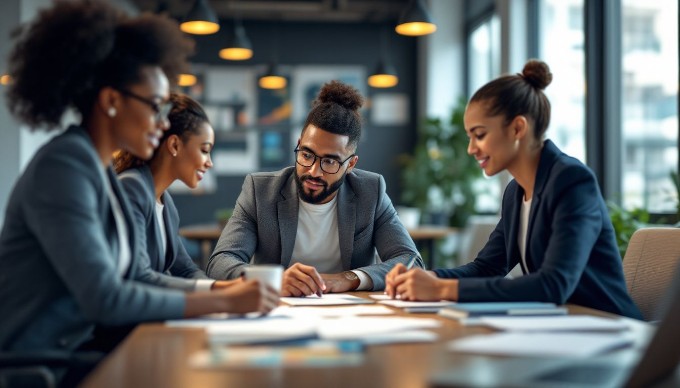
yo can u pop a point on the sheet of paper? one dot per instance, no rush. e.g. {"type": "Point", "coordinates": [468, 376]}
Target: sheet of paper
{"type": "Point", "coordinates": [257, 330]}
{"type": "Point", "coordinates": [540, 344]}
{"type": "Point", "coordinates": [400, 337]}
{"type": "Point", "coordinates": [340, 311]}
{"type": "Point", "coordinates": [555, 323]}
{"type": "Point", "coordinates": [325, 300]}
{"type": "Point", "coordinates": [365, 327]}
{"type": "Point", "coordinates": [409, 303]}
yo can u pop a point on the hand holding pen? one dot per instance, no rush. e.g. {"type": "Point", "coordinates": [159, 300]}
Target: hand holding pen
{"type": "Point", "coordinates": [390, 278]}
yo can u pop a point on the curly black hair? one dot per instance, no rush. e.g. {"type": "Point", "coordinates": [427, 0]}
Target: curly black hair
{"type": "Point", "coordinates": [186, 116]}
{"type": "Point", "coordinates": [520, 94]}
{"type": "Point", "coordinates": [336, 110]}
{"type": "Point", "coordinates": [75, 48]}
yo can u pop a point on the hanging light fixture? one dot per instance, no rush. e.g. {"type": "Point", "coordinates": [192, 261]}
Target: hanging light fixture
{"type": "Point", "coordinates": [272, 79]}
{"type": "Point", "coordinates": [238, 48]}
{"type": "Point", "coordinates": [416, 20]}
{"type": "Point", "coordinates": [186, 80]}
{"type": "Point", "coordinates": [201, 20]}
{"type": "Point", "coordinates": [5, 79]}
{"type": "Point", "coordinates": [385, 75]}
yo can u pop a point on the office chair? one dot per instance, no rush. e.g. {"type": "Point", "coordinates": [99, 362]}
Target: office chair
{"type": "Point", "coordinates": [42, 368]}
{"type": "Point", "coordinates": [650, 261]}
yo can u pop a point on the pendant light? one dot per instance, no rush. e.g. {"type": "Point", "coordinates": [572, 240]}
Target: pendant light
{"type": "Point", "coordinates": [5, 79]}
{"type": "Point", "coordinates": [238, 47]}
{"type": "Point", "coordinates": [416, 20]}
{"type": "Point", "coordinates": [385, 75]}
{"type": "Point", "coordinates": [186, 79]}
{"type": "Point", "coordinates": [201, 20]}
{"type": "Point", "coordinates": [272, 78]}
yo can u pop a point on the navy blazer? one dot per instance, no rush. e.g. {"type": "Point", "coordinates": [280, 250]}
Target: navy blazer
{"type": "Point", "coordinates": [59, 254]}
{"type": "Point", "coordinates": [139, 187]}
{"type": "Point", "coordinates": [571, 250]}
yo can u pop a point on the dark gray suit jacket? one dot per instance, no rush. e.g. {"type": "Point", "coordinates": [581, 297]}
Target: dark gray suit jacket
{"type": "Point", "coordinates": [264, 224]}
{"type": "Point", "coordinates": [139, 187]}
{"type": "Point", "coordinates": [59, 252]}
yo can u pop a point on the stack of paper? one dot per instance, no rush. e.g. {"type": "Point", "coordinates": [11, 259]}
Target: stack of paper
{"type": "Point", "coordinates": [556, 323]}
{"type": "Point", "coordinates": [325, 300]}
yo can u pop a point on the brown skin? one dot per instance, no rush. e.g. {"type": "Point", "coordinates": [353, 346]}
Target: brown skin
{"type": "Point", "coordinates": [134, 128]}
{"type": "Point", "coordinates": [497, 146]}
{"type": "Point", "coordinates": [300, 279]}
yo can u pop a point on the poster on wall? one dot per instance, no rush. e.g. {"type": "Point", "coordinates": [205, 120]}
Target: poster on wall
{"type": "Point", "coordinates": [308, 79]}
{"type": "Point", "coordinates": [230, 96]}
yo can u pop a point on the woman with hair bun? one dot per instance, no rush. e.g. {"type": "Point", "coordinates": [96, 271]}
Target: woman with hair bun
{"type": "Point", "coordinates": [554, 220]}
{"type": "Point", "coordinates": [183, 154]}
{"type": "Point", "coordinates": [69, 258]}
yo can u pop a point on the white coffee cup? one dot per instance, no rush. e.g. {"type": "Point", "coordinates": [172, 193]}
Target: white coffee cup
{"type": "Point", "coordinates": [270, 274]}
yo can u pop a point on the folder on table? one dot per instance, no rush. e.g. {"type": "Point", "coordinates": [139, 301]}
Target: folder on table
{"type": "Point", "coordinates": [469, 310]}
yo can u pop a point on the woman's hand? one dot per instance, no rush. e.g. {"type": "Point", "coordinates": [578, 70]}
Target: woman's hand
{"type": "Point", "coordinates": [418, 284]}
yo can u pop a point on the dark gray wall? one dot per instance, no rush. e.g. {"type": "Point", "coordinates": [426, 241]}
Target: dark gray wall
{"type": "Point", "coordinates": [319, 44]}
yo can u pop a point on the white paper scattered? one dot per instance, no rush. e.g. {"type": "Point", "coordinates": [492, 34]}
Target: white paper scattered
{"type": "Point", "coordinates": [540, 344]}
{"type": "Point", "coordinates": [555, 323]}
{"type": "Point", "coordinates": [409, 303]}
{"type": "Point", "coordinates": [343, 311]}
{"type": "Point", "coordinates": [366, 327]}
{"type": "Point", "coordinates": [243, 331]}
{"type": "Point", "coordinates": [325, 300]}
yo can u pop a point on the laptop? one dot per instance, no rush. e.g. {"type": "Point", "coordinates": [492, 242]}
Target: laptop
{"type": "Point", "coordinates": [622, 369]}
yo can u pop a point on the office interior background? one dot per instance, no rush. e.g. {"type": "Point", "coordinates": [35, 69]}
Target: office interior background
{"type": "Point", "coordinates": [614, 93]}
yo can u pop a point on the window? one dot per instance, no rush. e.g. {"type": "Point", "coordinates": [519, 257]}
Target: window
{"type": "Point", "coordinates": [561, 46]}
{"type": "Point", "coordinates": [649, 103]}
{"type": "Point", "coordinates": [483, 66]}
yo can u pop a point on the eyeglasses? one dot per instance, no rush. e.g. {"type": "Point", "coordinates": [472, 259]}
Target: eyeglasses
{"type": "Point", "coordinates": [162, 110]}
{"type": "Point", "coordinates": [328, 165]}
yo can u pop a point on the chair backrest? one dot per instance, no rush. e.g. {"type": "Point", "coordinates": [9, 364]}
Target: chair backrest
{"type": "Point", "coordinates": [651, 258]}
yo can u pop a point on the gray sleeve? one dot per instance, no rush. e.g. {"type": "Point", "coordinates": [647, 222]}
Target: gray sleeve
{"type": "Point", "coordinates": [391, 239]}
{"type": "Point", "coordinates": [66, 218]}
{"type": "Point", "coordinates": [238, 241]}
{"type": "Point", "coordinates": [143, 214]}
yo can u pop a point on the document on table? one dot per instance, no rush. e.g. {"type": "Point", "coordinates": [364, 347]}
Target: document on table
{"type": "Point", "coordinates": [417, 306]}
{"type": "Point", "coordinates": [554, 323]}
{"type": "Point", "coordinates": [339, 311]}
{"type": "Point", "coordinates": [325, 300]}
{"type": "Point", "coordinates": [248, 331]}
{"type": "Point", "coordinates": [367, 327]}
{"type": "Point", "coordinates": [540, 344]}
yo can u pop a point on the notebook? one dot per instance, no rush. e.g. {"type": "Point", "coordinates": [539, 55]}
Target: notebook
{"type": "Point", "coordinates": [624, 369]}
{"type": "Point", "coordinates": [468, 310]}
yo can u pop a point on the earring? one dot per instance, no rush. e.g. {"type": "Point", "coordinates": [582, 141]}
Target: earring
{"type": "Point", "coordinates": [111, 112]}
{"type": "Point", "coordinates": [174, 154]}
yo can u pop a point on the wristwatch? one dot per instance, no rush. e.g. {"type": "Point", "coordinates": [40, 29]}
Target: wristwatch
{"type": "Point", "coordinates": [353, 278]}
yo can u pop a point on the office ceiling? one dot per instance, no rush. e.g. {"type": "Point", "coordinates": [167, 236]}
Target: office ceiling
{"type": "Point", "coordinates": [345, 11]}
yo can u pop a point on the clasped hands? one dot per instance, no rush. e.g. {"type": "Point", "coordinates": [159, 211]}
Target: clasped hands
{"type": "Point", "coordinates": [418, 284]}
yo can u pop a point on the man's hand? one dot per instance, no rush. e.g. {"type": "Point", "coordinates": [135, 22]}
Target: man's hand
{"type": "Point", "coordinates": [302, 280]}
{"type": "Point", "coordinates": [418, 284]}
{"type": "Point", "coordinates": [341, 282]}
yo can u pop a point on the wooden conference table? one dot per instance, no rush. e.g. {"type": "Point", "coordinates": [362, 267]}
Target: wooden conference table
{"type": "Point", "coordinates": [424, 236]}
{"type": "Point", "coordinates": [157, 356]}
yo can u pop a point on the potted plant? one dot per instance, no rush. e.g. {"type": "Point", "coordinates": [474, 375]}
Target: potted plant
{"type": "Point", "coordinates": [438, 177]}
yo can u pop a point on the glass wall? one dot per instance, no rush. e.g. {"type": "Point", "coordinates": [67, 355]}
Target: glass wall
{"type": "Point", "coordinates": [561, 46]}
{"type": "Point", "coordinates": [649, 103]}
{"type": "Point", "coordinates": [483, 66]}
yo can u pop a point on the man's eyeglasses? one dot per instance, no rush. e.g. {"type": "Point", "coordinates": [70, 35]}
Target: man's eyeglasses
{"type": "Point", "coordinates": [162, 110]}
{"type": "Point", "coordinates": [328, 165]}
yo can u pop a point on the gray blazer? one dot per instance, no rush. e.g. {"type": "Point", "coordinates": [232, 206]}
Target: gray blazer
{"type": "Point", "coordinates": [59, 250]}
{"type": "Point", "coordinates": [264, 224]}
{"type": "Point", "coordinates": [139, 186]}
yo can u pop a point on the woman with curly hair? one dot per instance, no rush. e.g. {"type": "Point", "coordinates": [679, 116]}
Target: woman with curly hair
{"type": "Point", "coordinates": [69, 257]}
{"type": "Point", "coordinates": [184, 155]}
{"type": "Point", "coordinates": [554, 220]}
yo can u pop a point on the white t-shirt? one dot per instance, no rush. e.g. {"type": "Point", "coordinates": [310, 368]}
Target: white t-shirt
{"type": "Point", "coordinates": [522, 232]}
{"type": "Point", "coordinates": [161, 225]}
{"type": "Point", "coordinates": [317, 240]}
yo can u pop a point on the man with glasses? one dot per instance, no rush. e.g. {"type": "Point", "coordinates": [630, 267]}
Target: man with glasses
{"type": "Point", "coordinates": [322, 219]}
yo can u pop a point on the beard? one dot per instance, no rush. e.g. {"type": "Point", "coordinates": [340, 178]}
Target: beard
{"type": "Point", "coordinates": [326, 190]}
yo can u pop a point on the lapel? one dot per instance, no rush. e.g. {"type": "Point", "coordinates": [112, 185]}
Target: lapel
{"type": "Point", "coordinates": [125, 207]}
{"type": "Point", "coordinates": [513, 228]}
{"type": "Point", "coordinates": [347, 217]}
{"type": "Point", "coordinates": [170, 233]}
{"type": "Point", "coordinates": [287, 208]}
{"type": "Point", "coordinates": [548, 156]}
